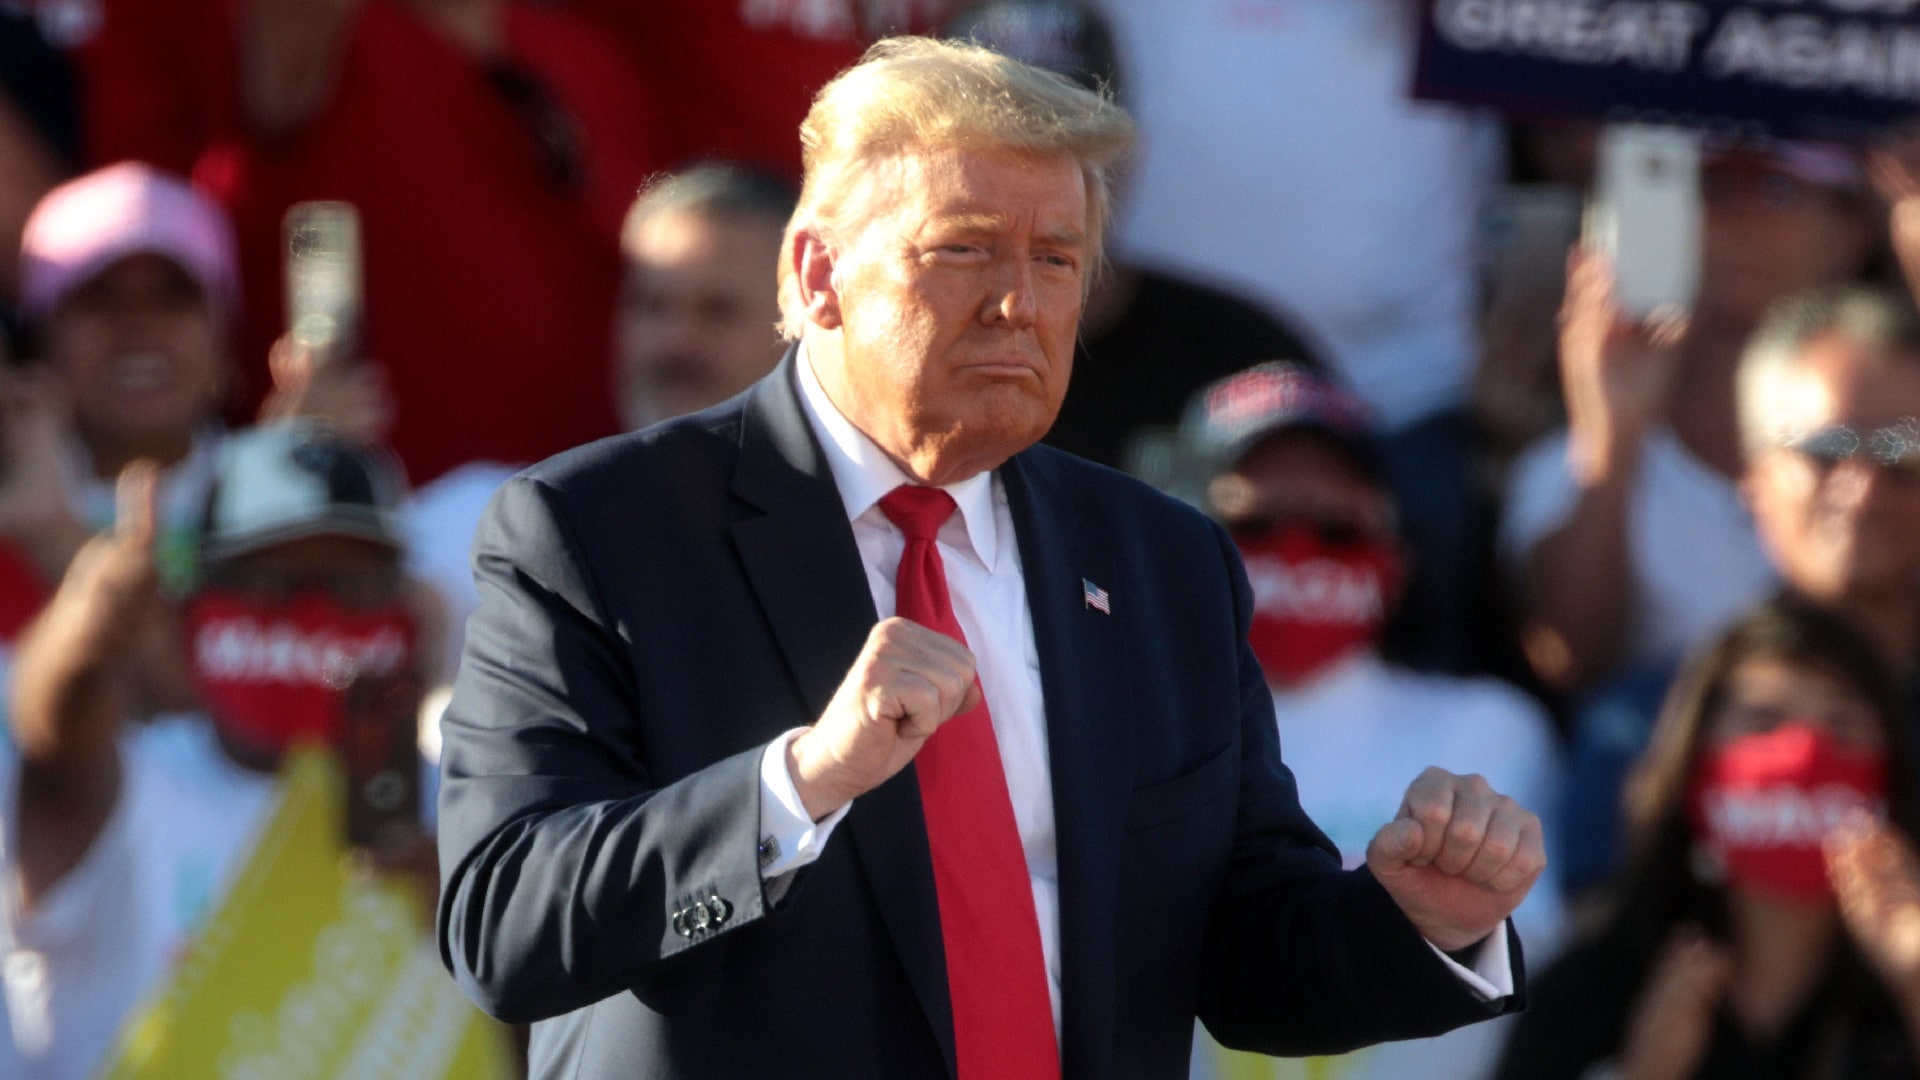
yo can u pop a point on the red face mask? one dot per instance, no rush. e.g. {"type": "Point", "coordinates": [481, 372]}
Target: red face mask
{"type": "Point", "coordinates": [1315, 601]}
{"type": "Point", "coordinates": [276, 674]}
{"type": "Point", "coordinates": [1761, 804]}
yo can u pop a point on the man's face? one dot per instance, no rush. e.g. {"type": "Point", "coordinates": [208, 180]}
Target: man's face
{"type": "Point", "coordinates": [139, 348]}
{"type": "Point", "coordinates": [698, 312]}
{"type": "Point", "coordinates": [950, 318]}
{"type": "Point", "coordinates": [1301, 477]}
{"type": "Point", "coordinates": [1846, 530]}
{"type": "Point", "coordinates": [1768, 234]}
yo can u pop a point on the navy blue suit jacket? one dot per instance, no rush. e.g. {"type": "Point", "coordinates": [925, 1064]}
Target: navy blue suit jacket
{"type": "Point", "coordinates": [657, 607]}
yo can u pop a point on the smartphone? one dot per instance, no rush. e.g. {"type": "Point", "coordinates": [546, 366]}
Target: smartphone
{"type": "Point", "coordinates": [1645, 215]}
{"type": "Point", "coordinates": [379, 747]}
{"type": "Point", "coordinates": [324, 279]}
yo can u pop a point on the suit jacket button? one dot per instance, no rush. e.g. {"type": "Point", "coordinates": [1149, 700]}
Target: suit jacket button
{"type": "Point", "coordinates": [700, 917]}
{"type": "Point", "coordinates": [722, 911]}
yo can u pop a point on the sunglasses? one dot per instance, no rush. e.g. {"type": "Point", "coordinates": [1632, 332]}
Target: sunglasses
{"type": "Point", "coordinates": [1895, 448]}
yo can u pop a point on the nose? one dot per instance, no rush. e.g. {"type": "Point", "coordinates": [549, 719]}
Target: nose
{"type": "Point", "coordinates": [1012, 300]}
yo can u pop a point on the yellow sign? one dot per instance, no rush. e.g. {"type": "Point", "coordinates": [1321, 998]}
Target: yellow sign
{"type": "Point", "coordinates": [310, 971]}
{"type": "Point", "coordinates": [1215, 1062]}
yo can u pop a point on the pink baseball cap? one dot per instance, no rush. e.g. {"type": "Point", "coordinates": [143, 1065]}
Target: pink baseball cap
{"type": "Point", "coordinates": [86, 225]}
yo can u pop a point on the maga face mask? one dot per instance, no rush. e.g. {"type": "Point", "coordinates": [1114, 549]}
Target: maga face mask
{"type": "Point", "coordinates": [276, 674]}
{"type": "Point", "coordinates": [1315, 600]}
{"type": "Point", "coordinates": [1761, 804]}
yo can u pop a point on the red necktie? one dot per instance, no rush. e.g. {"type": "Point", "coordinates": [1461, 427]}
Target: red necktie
{"type": "Point", "coordinates": [996, 973]}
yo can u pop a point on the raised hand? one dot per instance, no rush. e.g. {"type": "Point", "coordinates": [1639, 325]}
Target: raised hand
{"type": "Point", "coordinates": [1876, 876]}
{"type": "Point", "coordinates": [71, 664]}
{"type": "Point", "coordinates": [352, 398]}
{"type": "Point", "coordinates": [113, 583]}
{"type": "Point", "coordinates": [1671, 1022]}
{"type": "Point", "coordinates": [1618, 374]}
{"type": "Point", "coordinates": [907, 681]}
{"type": "Point", "coordinates": [1458, 858]}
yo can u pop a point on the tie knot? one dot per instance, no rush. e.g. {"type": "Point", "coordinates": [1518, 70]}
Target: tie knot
{"type": "Point", "coordinates": [917, 511]}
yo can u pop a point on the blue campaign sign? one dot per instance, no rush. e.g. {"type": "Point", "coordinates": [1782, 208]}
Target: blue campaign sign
{"type": "Point", "coordinates": [1791, 68]}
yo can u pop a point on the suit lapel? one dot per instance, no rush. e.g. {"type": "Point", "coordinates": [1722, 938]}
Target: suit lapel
{"type": "Point", "coordinates": [805, 570]}
{"type": "Point", "coordinates": [799, 553]}
{"type": "Point", "coordinates": [1084, 677]}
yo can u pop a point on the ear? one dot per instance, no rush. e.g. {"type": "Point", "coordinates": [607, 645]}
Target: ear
{"type": "Point", "coordinates": [814, 264]}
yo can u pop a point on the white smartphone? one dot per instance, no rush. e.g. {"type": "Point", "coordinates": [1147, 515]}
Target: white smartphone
{"type": "Point", "coordinates": [1645, 215]}
{"type": "Point", "coordinates": [324, 279]}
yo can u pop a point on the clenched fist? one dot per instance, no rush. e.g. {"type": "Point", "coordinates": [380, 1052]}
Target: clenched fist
{"type": "Point", "coordinates": [1458, 858]}
{"type": "Point", "coordinates": [907, 681]}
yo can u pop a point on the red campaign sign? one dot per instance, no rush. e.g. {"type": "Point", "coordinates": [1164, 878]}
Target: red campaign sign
{"type": "Point", "coordinates": [1794, 68]}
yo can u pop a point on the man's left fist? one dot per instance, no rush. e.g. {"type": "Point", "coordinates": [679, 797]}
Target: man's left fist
{"type": "Point", "coordinates": [1458, 858]}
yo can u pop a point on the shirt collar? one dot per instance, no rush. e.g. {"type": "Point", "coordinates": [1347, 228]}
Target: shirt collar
{"type": "Point", "coordinates": [864, 473]}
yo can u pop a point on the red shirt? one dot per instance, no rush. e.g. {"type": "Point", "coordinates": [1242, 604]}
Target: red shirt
{"type": "Point", "coordinates": [157, 77]}
{"type": "Point", "coordinates": [737, 76]}
{"type": "Point", "coordinates": [489, 284]}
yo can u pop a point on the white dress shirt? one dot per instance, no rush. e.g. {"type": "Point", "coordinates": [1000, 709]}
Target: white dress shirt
{"type": "Point", "coordinates": [988, 589]}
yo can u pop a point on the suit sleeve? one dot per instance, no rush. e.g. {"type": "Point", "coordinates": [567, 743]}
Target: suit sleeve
{"type": "Point", "coordinates": [1301, 957]}
{"type": "Point", "coordinates": [566, 870]}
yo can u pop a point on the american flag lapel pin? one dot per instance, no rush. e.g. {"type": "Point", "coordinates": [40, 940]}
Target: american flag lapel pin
{"type": "Point", "coordinates": [1096, 597]}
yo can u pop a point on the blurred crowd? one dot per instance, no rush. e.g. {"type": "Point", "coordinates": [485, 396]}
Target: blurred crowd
{"type": "Point", "coordinates": [1657, 578]}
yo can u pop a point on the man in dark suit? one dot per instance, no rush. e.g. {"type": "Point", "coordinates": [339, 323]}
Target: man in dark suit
{"type": "Point", "coordinates": [1061, 844]}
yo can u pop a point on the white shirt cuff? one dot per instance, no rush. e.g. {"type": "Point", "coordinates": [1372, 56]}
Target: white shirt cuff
{"type": "Point", "coordinates": [1491, 976]}
{"type": "Point", "coordinates": [789, 839]}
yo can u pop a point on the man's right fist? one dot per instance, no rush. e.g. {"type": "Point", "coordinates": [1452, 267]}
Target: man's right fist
{"type": "Point", "coordinates": [907, 681]}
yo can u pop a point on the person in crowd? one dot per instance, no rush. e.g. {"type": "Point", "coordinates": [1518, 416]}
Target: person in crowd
{"type": "Point", "coordinates": [1828, 396]}
{"type": "Point", "coordinates": [698, 318]}
{"type": "Point", "coordinates": [697, 323]}
{"type": "Point", "coordinates": [1626, 530]}
{"type": "Point", "coordinates": [1298, 484]}
{"type": "Point", "coordinates": [1626, 534]}
{"type": "Point", "coordinates": [1765, 927]}
{"type": "Point", "coordinates": [1149, 337]}
{"type": "Point", "coordinates": [1349, 209]}
{"type": "Point", "coordinates": [128, 293]}
{"type": "Point", "coordinates": [122, 836]}
{"type": "Point", "coordinates": [491, 149]}
{"type": "Point", "coordinates": [718, 736]}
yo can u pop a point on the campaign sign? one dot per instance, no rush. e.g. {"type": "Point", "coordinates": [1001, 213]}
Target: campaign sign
{"type": "Point", "coordinates": [310, 970]}
{"type": "Point", "coordinates": [1790, 68]}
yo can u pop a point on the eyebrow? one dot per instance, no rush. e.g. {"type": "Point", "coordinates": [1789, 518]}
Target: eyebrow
{"type": "Point", "coordinates": [975, 222]}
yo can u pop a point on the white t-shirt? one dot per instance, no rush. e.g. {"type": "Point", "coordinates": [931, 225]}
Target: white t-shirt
{"type": "Point", "coordinates": [108, 932]}
{"type": "Point", "coordinates": [1355, 738]}
{"type": "Point", "coordinates": [1695, 559]}
{"type": "Point", "coordinates": [1281, 156]}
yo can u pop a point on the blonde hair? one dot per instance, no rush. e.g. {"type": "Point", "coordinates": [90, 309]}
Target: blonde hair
{"type": "Point", "coordinates": [912, 93]}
